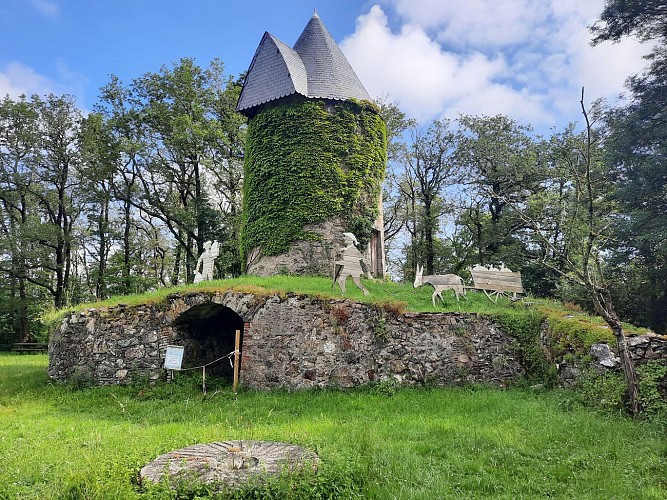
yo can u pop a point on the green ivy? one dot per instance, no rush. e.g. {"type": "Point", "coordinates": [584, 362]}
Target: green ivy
{"type": "Point", "coordinates": [525, 326]}
{"type": "Point", "coordinates": [653, 389]}
{"type": "Point", "coordinates": [307, 162]}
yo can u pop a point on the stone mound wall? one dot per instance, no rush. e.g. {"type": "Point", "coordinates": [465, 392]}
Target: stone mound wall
{"type": "Point", "coordinates": [297, 342]}
{"type": "Point", "coordinates": [289, 341]}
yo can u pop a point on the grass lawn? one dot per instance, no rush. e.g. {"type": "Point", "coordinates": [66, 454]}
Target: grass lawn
{"type": "Point", "coordinates": [58, 442]}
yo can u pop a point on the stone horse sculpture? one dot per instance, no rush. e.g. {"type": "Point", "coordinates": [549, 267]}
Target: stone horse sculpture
{"type": "Point", "coordinates": [440, 282]}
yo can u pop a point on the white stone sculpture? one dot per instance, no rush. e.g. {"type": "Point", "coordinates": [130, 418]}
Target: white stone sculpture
{"type": "Point", "coordinates": [440, 283]}
{"type": "Point", "coordinates": [206, 261]}
{"type": "Point", "coordinates": [352, 264]}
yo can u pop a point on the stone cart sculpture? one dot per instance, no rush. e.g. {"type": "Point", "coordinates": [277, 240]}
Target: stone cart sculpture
{"type": "Point", "coordinates": [204, 267]}
{"type": "Point", "coordinates": [440, 283]}
{"type": "Point", "coordinates": [351, 263]}
{"type": "Point", "coordinates": [495, 282]}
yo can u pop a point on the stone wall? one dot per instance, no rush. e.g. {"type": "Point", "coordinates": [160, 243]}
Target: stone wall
{"type": "Point", "coordinates": [299, 342]}
{"type": "Point", "coordinates": [311, 257]}
{"type": "Point", "coordinates": [643, 348]}
{"type": "Point", "coordinates": [288, 341]}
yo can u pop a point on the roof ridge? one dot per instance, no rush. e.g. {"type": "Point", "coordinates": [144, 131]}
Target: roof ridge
{"type": "Point", "coordinates": [315, 68]}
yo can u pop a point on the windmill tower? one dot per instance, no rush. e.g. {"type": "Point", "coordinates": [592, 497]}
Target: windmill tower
{"type": "Point", "coordinates": [315, 158]}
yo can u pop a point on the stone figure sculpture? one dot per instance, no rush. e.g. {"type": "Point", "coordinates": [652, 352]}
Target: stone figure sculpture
{"type": "Point", "coordinates": [206, 261]}
{"type": "Point", "coordinates": [352, 264]}
{"type": "Point", "coordinates": [440, 282]}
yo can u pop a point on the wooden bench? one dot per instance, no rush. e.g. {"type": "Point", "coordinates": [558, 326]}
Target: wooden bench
{"type": "Point", "coordinates": [496, 282]}
{"type": "Point", "coordinates": [30, 347]}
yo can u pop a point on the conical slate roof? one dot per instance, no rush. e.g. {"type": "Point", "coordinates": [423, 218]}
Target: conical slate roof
{"type": "Point", "coordinates": [315, 68]}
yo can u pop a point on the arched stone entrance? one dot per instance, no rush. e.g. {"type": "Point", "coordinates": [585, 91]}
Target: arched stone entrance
{"type": "Point", "coordinates": [207, 332]}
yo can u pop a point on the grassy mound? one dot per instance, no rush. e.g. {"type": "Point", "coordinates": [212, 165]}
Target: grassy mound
{"type": "Point", "coordinates": [572, 331]}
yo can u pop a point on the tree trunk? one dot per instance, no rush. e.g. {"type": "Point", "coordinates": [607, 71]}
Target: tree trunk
{"type": "Point", "coordinates": [605, 308]}
{"type": "Point", "coordinates": [23, 320]}
{"type": "Point", "coordinates": [177, 265]}
{"type": "Point", "coordinates": [628, 370]}
{"type": "Point", "coordinates": [127, 224]}
{"type": "Point", "coordinates": [189, 261]}
{"type": "Point", "coordinates": [428, 234]}
{"type": "Point", "coordinates": [18, 277]}
{"type": "Point", "coordinates": [102, 228]}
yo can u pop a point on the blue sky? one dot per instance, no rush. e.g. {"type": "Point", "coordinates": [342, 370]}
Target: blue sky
{"type": "Point", "coordinates": [525, 58]}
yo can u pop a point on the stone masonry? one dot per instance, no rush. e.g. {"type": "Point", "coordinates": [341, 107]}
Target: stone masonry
{"type": "Point", "coordinates": [295, 342]}
{"type": "Point", "coordinates": [289, 341]}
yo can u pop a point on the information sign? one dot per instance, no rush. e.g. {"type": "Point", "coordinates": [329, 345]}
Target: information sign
{"type": "Point", "coordinates": [174, 357]}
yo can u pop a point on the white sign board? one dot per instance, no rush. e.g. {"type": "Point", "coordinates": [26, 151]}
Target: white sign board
{"type": "Point", "coordinates": [174, 357]}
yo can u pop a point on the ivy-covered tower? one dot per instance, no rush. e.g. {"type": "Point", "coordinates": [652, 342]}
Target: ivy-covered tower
{"type": "Point", "coordinates": [315, 158]}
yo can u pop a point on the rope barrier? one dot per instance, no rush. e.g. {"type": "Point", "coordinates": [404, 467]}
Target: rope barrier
{"type": "Point", "coordinates": [229, 356]}
{"type": "Point", "coordinates": [236, 353]}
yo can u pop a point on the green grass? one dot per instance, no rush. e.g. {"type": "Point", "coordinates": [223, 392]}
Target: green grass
{"type": "Point", "coordinates": [393, 296]}
{"type": "Point", "coordinates": [571, 330]}
{"type": "Point", "coordinates": [56, 442]}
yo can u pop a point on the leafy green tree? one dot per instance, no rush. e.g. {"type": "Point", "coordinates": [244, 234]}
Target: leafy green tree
{"type": "Point", "coordinates": [181, 155]}
{"type": "Point", "coordinates": [40, 159]}
{"type": "Point", "coordinates": [644, 19]}
{"type": "Point", "coordinates": [637, 147]}
{"type": "Point", "coordinates": [55, 191]}
{"type": "Point", "coordinates": [100, 156]}
{"type": "Point", "coordinates": [578, 240]}
{"type": "Point", "coordinates": [39, 204]}
{"type": "Point", "coordinates": [393, 197]}
{"type": "Point", "coordinates": [19, 148]}
{"type": "Point", "coordinates": [427, 169]}
{"type": "Point", "coordinates": [502, 166]}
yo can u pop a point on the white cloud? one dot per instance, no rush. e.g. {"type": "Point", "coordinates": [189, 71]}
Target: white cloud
{"type": "Point", "coordinates": [46, 7]}
{"type": "Point", "coordinates": [428, 81]}
{"type": "Point", "coordinates": [476, 22]}
{"type": "Point", "coordinates": [17, 79]}
{"type": "Point", "coordinates": [525, 58]}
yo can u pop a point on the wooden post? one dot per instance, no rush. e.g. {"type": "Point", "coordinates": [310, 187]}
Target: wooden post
{"type": "Point", "coordinates": [237, 345]}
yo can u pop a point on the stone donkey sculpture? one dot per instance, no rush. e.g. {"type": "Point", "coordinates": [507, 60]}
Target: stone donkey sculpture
{"type": "Point", "coordinates": [440, 282]}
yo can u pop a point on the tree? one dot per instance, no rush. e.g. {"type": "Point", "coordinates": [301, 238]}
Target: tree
{"type": "Point", "coordinates": [393, 199]}
{"type": "Point", "coordinates": [180, 138]}
{"type": "Point", "coordinates": [54, 192]}
{"type": "Point", "coordinates": [645, 19]}
{"type": "Point", "coordinates": [637, 148]}
{"type": "Point", "coordinates": [582, 244]}
{"type": "Point", "coordinates": [427, 169]}
{"type": "Point", "coordinates": [19, 146]}
{"type": "Point", "coordinates": [99, 157]}
{"type": "Point", "coordinates": [501, 162]}
{"type": "Point", "coordinates": [39, 203]}
{"type": "Point", "coordinates": [39, 166]}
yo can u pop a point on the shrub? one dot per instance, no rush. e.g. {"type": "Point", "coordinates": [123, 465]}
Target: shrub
{"type": "Point", "coordinates": [525, 327]}
{"type": "Point", "coordinates": [653, 389]}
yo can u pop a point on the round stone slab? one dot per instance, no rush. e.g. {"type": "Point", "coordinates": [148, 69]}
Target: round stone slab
{"type": "Point", "coordinates": [229, 463]}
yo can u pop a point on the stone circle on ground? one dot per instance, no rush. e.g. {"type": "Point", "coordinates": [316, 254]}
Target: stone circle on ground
{"type": "Point", "coordinates": [229, 463]}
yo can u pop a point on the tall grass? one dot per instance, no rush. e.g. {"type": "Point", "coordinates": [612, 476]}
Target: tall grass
{"type": "Point", "coordinates": [56, 442]}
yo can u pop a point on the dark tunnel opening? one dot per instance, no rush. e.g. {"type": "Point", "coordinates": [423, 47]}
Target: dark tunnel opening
{"type": "Point", "coordinates": [207, 332]}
